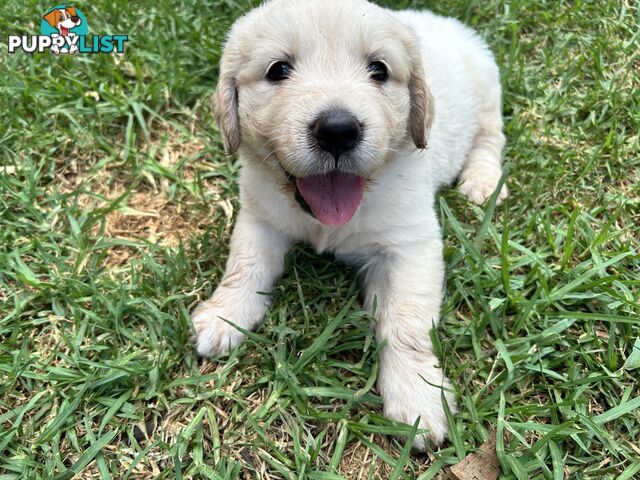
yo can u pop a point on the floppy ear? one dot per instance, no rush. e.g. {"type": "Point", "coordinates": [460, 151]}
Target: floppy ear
{"type": "Point", "coordinates": [71, 11]}
{"type": "Point", "coordinates": [225, 110]}
{"type": "Point", "coordinates": [51, 18]}
{"type": "Point", "coordinates": [422, 103]}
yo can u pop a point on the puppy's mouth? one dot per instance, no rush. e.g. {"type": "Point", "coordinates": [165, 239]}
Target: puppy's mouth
{"type": "Point", "coordinates": [332, 198]}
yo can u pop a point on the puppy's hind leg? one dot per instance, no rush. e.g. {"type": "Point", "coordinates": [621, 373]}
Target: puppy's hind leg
{"type": "Point", "coordinates": [482, 169]}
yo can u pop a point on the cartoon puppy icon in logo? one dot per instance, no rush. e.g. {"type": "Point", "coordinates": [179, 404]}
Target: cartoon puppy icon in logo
{"type": "Point", "coordinates": [63, 20]}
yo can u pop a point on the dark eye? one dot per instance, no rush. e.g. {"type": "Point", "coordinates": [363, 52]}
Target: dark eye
{"type": "Point", "coordinates": [279, 71]}
{"type": "Point", "coordinates": [378, 71]}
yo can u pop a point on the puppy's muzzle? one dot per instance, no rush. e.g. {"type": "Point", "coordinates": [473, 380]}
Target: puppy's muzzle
{"type": "Point", "coordinates": [337, 132]}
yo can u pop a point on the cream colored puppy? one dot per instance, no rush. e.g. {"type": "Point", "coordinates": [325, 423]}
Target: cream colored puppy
{"type": "Point", "coordinates": [348, 118]}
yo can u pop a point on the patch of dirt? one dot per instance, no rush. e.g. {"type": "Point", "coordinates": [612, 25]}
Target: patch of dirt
{"type": "Point", "coordinates": [359, 460]}
{"type": "Point", "coordinates": [149, 215]}
{"type": "Point", "coordinates": [153, 210]}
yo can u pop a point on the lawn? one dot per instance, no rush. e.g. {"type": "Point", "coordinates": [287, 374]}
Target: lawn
{"type": "Point", "coordinates": [116, 205]}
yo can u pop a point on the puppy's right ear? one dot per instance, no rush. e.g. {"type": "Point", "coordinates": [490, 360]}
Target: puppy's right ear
{"type": "Point", "coordinates": [51, 18]}
{"type": "Point", "coordinates": [225, 110]}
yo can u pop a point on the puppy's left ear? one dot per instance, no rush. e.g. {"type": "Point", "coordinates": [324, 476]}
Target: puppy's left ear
{"type": "Point", "coordinates": [225, 110]}
{"type": "Point", "coordinates": [422, 103]}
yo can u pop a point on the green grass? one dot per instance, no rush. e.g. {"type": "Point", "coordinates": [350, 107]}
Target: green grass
{"type": "Point", "coordinates": [116, 203]}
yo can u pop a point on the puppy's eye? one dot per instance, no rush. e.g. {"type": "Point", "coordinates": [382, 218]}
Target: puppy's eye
{"type": "Point", "coordinates": [279, 71]}
{"type": "Point", "coordinates": [378, 72]}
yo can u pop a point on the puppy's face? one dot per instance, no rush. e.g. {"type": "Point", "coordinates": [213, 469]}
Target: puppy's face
{"type": "Point", "coordinates": [323, 92]}
{"type": "Point", "coordinates": [63, 19]}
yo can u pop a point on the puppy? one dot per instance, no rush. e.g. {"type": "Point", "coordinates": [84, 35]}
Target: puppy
{"type": "Point", "coordinates": [63, 20]}
{"type": "Point", "coordinates": [348, 118]}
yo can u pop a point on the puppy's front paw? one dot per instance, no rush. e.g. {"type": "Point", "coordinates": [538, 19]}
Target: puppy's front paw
{"type": "Point", "coordinates": [478, 186]}
{"type": "Point", "coordinates": [407, 399]}
{"type": "Point", "coordinates": [213, 335]}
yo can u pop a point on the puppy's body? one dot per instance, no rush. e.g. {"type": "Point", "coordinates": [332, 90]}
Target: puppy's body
{"type": "Point", "coordinates": [393, 237]}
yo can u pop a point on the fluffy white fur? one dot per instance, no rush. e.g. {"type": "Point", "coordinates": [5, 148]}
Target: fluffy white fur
{"type": "Point", "coordinates": [443, 91]}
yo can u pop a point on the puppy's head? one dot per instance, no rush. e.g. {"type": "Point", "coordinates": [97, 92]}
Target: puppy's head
{"type": "Point", "coordinates": [322, 92]}
{"type": "Point", "coordinates": [63, 19]}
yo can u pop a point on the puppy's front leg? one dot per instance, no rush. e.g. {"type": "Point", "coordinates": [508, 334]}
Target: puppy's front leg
{"type": "Point", "coordinates": [406, 285]}
{"type": "Point", "coordinates": [256, 260]}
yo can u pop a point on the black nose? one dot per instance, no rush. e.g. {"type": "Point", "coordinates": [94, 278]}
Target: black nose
{"type": "Point", "coordinates": [337, 132]}
{"type": "Point", "coordinates": [75, 19]}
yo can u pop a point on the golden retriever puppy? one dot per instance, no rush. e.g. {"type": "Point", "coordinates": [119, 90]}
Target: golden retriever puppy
{"type": "Point", "coordinates": [347, 118]}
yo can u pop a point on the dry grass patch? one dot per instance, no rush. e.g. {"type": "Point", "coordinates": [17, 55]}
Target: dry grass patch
{"type": "Point", "coordinates": [144, 206]}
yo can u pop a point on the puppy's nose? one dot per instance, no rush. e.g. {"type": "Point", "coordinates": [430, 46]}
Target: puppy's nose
{"type": "Point", "coordinates": [337, 132]}
{"type": "Point", "coordinates": [75, 19]}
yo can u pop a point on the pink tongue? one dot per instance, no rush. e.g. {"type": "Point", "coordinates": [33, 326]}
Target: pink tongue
{"type": "Point", "coordinates": [334, 197]}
